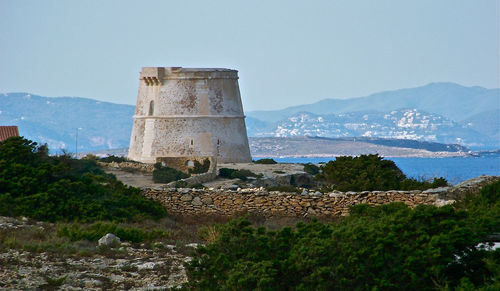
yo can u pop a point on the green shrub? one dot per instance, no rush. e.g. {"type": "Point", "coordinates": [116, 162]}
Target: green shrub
{"type": "Point", "coordinates": [248, 173]}
{"type": "Point", "coordinates": [162, 174]}
{"type": "Point", "coordinates": [266, 161]}
{"type": "Point", "coordinates": [97, 230]}
{"type": "Point", "coordinates": [311, 169]}
{"type": "Point", "coordinates": [113, 158]}
{"type": "Point", "coordinates": [439, 182]}
{"type": "Point", "coordinates": [91, 157]}
{"type": "Point", "coordinates": [226, 172]}
{"type": "Point", "coordinates": [200, 168]}
{"type": "Point", "coordinates": [239, 175]}
{"type": "Point", "coordinates": [61, 188]}
{"type": "Point", "coordinates": [242, 174]}
{"type": "Point", "coordinates": [181, 184]}
{"type": "Point", "coordinates": [388, 247]}
{"type": "Point", "coordinates": [368, 173]}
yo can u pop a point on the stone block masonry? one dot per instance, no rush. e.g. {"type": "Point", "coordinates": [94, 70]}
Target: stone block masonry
{"type": "Point", "coordinates": [189, 112]}
{"type": "Point", "coordinates": [313, 204]}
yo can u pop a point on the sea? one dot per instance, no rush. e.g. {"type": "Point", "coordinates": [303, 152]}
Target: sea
{"type": "Point", "coordinates": [455, 170]}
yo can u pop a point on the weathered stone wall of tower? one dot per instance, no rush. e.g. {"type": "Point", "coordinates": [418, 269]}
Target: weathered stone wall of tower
{"type": "Point", "coordinates": [189, 112]}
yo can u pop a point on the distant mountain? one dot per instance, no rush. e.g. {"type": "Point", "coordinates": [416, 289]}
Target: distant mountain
{"type": "Point", "coordinates": [450, 100]}
{"type": "Point", "coordinates": [408, 124]}
{"type": "Point", "coordinates": [55, 121]}
{"type": "Point", "coordinates": [486, 122]}
{"type": "Point", "coordinates": [438, 112]}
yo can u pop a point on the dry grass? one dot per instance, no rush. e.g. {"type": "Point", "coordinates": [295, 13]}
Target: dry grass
{"type": "Point", "coordinates": [180, 229]}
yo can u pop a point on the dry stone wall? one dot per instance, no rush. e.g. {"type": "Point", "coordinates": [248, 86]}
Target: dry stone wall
{"type": "Point", "coordinates": [308, 203]}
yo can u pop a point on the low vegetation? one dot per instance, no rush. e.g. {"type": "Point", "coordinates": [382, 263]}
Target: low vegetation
{"type": "Point", "coordinates": [368, 173]}
{"type": "Point", "coordinates": [200, 168]}
{"type": "Point", "coordinates": [116, 159]}
{"type": "Point", "coordinates": [266, 161]}
{"type": "Point", "coordinates": [95, 231]}
{"type": "Point", "coordinates": [311, 168]}
{"type": "Point", "coordinates": [163, 174]}
{"type": "Point", "coordinates": [241, 174]}
{"type": "Point", "coordinates": [60, 188]}
{"type": "Point", "coordinates": [388, 247]}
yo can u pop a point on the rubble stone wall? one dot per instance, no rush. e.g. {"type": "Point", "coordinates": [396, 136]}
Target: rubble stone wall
{"type": "Point", "coordinates": [259, 201]}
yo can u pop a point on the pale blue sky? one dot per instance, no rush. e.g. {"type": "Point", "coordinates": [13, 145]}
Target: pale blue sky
{"type": "Point", "coordinates": [287, 52]}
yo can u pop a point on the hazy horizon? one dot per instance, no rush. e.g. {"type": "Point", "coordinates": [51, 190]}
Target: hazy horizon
{"type": "Point", "coordinates": [264, 109]}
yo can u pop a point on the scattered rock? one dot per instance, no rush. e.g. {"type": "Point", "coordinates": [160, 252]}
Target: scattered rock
{"type": "Point", "coordinates": [436, 190]}
{"type": "Point", "coordinates": [146, 266]}
{"type": "Point", "coordinates": [232, 187]}
{"type": "Point", "coordinates": [192, 245]}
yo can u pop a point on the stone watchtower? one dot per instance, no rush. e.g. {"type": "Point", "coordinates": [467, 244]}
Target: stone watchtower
{"type": "Point", "coordinates": [187, 112]}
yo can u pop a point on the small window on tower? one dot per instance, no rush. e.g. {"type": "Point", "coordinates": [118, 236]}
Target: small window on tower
{"type": "Point", "coordinates": [151, 108]}
{"type": "Point", "coordinates": [191, 142]}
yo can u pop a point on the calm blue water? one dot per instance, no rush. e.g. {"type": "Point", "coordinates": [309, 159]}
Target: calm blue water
{"type": "Point", "coordinates": [455, 170]}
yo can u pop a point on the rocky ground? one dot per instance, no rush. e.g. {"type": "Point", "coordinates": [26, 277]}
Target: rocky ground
{"type": "Point", "coordinates": [144, 179]}
{"type": "Point", "coordinates": [84, 265]}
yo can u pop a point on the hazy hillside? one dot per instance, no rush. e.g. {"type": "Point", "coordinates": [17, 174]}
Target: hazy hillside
{"type": "Point", "coordinates": [451, 100]}
{"type": "Point", "coordinates": [55, 121]}
{"type": "Point", "coordinates": [409, 124]}
{"type": "Point", "coordinates": [487, 123]}
{"type": "Point", "coordinates": [438, 112]}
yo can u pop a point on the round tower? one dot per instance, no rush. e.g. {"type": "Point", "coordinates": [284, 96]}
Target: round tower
{"type": "Point", "coordinates": [188, 112]}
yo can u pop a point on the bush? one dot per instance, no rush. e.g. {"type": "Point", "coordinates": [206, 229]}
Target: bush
{"type": "Point", "coordinates": [266, 161]}
{"type": "Point", "coordinates": [162, 174]}
{"type": "Point", "coordinates": [248, 173]}
{"type": "Point", "coordinates": [242, 174]}
{"type": "Point", "coordinates": [200, 168]}
{"type": "Point", "coordinates": [181, 184]}
{"type": "Point", "coordinates": [113, 158]}
{"type": "Point", "coordinates": [61, 188]}
{"type": "Point", "coordinates": [311, 169]}
{"type": "Point", "coordinates": [388, 247]}
{"type": "Point", "coordinates": [226, 172]}
{"type": "Point", "coordinates": [368, 173]}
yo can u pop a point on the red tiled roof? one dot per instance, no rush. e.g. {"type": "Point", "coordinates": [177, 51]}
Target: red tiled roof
{"type": "Point", "coordinates": [8, 131]}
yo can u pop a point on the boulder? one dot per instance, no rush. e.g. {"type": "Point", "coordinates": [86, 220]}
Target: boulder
{"type": "Point", "coordinates": [109, 240]}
